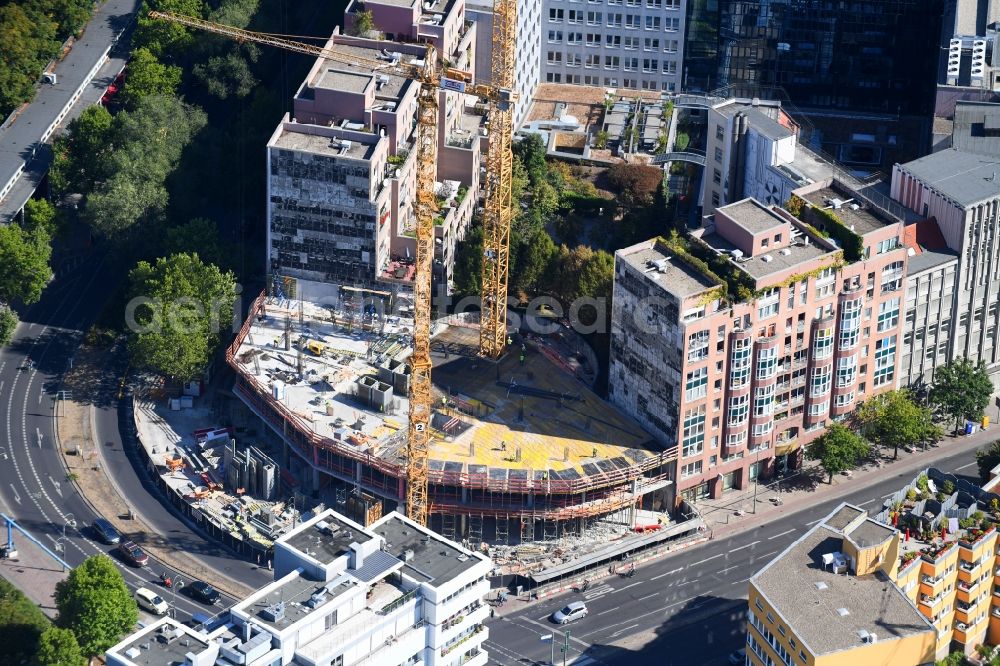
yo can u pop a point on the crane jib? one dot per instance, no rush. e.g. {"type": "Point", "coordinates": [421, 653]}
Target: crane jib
{"type": "Point", "coordinates": [453, 84]}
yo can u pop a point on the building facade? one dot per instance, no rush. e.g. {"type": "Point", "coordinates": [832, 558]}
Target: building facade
{"type": "Point", "coordinates": [342, 167]}
{"type": "Point", "coordinates": [740, 343]}
{"type": "Point", "coordinates": [959, 190]}
{"type": "Point", "coordinates": [528, 55]}
{"type": "Point", "coordinates": [622, 44]}
{"type": "Point", "coordinates": [393, 593]}
{"type": "Point", "coordinates": [831, 598]}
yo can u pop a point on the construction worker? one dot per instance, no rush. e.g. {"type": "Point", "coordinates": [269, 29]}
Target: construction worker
{"type": "Point", "coordinates": [510, 341]}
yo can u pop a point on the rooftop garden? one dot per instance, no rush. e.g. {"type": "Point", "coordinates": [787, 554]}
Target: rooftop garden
{"type": "Point", "coordinates": [828, 225]}
{"type": "Point", "coordinates": [698, 255]}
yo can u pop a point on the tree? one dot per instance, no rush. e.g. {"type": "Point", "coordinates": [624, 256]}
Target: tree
{"type": "Point", "coordinates": [41, 214]}
{"type": "Point", "coordinates": [837, 450]}
{"type": "Point", "coordinates": [185, 305]}
{"type": "Point", "coordinates": [8, 324]}
{"type": "Point", "coordinates": [58, 647]}
{"type": "Point", "coordinates": [166, 39]}
{"type": "Point", "coordinates": [635, 184]}
{"type": "Point", "coordinates": [961, 390]}
{"type": "Point", "coordinates": [988, 458]}
{"type": "Point", "coordinates": [147, 77]}
{"type": "Point", "coordinates": [531, 152]}
{"type": "Point", "coordinates": [95, 604]}
{"type": "Point", "coordinates": [893, 418]}
{"type": "Point", "coordinates": [364, 23]}
{"type": "Point", "coordinates": [29, 41]}
{"type": "Point", "coordinates": [24, 263]}
{"type": "Point", "coordinates": [533, 257]}
{"type": "Point", "coordinates": [199, 235]}
{"type": "Point", "coordinates": [229, 75]}
{"type": "Point", "coordinates": [21, 623]}
{"type": "Point", "coordinates": [80, 155]}
{"type": "Point", "coordinates": [467, 274]}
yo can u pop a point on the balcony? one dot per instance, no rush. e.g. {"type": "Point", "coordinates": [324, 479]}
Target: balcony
{"type": "Point", "coordinates": [969, 567]}
{"type": "Point", "coordinates": [931, 601]}
{"type": "Point", "coordinates": [968, 587]}
{"type": "Point", "coordinates": [932, 581]}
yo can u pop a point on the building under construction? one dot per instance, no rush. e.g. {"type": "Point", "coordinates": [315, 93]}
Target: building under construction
{"type": "Point", "coordinates": [521, 450]}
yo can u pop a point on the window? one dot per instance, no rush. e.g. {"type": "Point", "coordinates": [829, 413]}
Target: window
{"type": "Point", "coordinates": [694, 432]}
{"type": "Point", "coordinates": [887, 245]}
{"type": "Point", "coordinates": [739, 409]}
{"type": "Point", "coordinates": [716, 176]}
{"type": "Point", "coordinates": [739, 364]}
{"type": "Point", "coordinates": [892, 276]}
{"type": "Point", "coordinates": [554, 57]}
{"type": "Point", "coordinates": [844, 400]}
{"type": "Point", "coordinates": [651, 44]}
{"type": "Point", "coordinates": [672, 24]}
{"type": "Point", "coordinates": [847, 371]}
{"type": "Point", "coordinates": [698, 345]}
{"type": "Point", "coordinates": [594, 18]}
{"type": "Point", "coordinates": [763, 401]}
{"type": "Point", "coordinates": [767, 362]}
{"type": "Point", "coordinates": [720, 132]}
{"type": "Point", "coordinates": [761, 429]}
{"type": "Point", "coordinates": [652, 23]}
{"type": "Point", "coordinates": [820, 381]}
{"type": "Point", "coordinates": [885, 360]}
{"type": "Point", "coordinates": [613, 41]}
{"type": "Point", "coordinates": [697, 384]}
{"type": "Point", "coordinates": [819, 408]}
{"type": "Point", "coordinates": [691, 469]}
{"type": "Point", "coordinates": [575, 16]}
{"type": "Point", "coordinates": [555, 15]}
{"type": "Point", "coordinates": [888, 315]}
{"type": "Point", "coordinates": [823, 344]}
{"type": "Point", "coordinates": [555, 36]}
{"type": "Point", "coordinates": [715, 198]}
{"type": "Point", "coordinates": [735, 439]}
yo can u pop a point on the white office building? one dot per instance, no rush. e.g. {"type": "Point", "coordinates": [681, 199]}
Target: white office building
{"type": "Point", "coordinates": [343, 595]}
{"type": "Point", "coordinates": [630, 44]}
{"type": "Point", "coordinates": [528, 50]}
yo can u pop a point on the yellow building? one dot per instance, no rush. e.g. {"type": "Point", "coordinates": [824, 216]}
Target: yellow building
{"type": "Point", "coordinates": [830, 598]}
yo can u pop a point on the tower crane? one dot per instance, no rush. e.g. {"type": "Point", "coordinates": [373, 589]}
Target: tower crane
{"type": "Point", "coordinates": [431, 76]}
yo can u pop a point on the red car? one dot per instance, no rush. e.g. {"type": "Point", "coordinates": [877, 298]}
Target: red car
{"type": "Point", "coordinates": [132, 554]}
{"type": "Point", "coordinates": [113, 89]}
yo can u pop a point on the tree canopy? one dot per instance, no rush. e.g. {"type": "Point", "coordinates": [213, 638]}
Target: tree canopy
{"type": "Point", "coordinates": [837, 450]}
{"type": "Point", "coordinates": [893, 419]}
{"type": "Point", "coordinates": [987, 458]}
{"type": "Point", "coordinates": [147, 77]}
{"type": "Point", "coordinates": [95, 604]}
{"type": "Point", "coordinates": [21, 624]}
{"type": "Point", "coordinates": [165, 38]}
{"type": "Point", "coordinates": [41, 214]}
{"type": "Point", "coordinates": [8, 324]}
{"type": "Point", "coordinates": [24, 263]}
{"type": "Point", "coordinates": [187, 303]}
{"type": "Point", "coordinates": [961, 390]}
{"type": "Point", "coordinates": [58, 647]}
{"type": "Point", "coordinates": [80, 155]}
{"type": "Point", "coordinates": [30, 38]}
{"type": "Point", "coordinates": [635, 184]}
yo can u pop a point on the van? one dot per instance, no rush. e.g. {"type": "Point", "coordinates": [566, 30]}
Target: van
{"type": "Point", "coordinates": [106, 532]}
{"type": "Point", "coordinates": [149, 600]}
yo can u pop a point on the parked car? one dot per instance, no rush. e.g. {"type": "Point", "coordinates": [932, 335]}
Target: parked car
{"type": "Point", "coordinates": [738, 658]}
{"type": "Point", "coordinates": [132, 554]}
{"type": "Point", "coordinates": [151, 601]}
{"type": "Point", "coordinates": [573, 611]}
{"type": "Point", "coordinates": [201, 591]}
{"type": "Point", "coordinates": [105, 531]}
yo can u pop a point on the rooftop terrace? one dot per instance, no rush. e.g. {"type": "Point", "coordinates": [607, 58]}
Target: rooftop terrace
{"type": "Point", "coordinates": [164, 642]}
{"type": "Point", "coordinates": [328, 539]}
{"type": "Point", "coordinates": [805, 248]}
{"type": "Point", "coordinates": [434, 560]}
{"type": "Point", "coordinates": [667, 269]}
{"type": "Point", "coordinates": [852, 210]}
{"type": "Point", "coordinates": [309, 139]}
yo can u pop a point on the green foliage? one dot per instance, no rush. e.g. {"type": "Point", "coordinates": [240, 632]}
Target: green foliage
{"type": "Point", "coordinates": [948, 487]}
{"type": "Point", "coordinates": [229, 75]}
{"type": "Point", "coordinates": [149, 144]}
{"type": "Point", "coordinates": [8, 324]}
{"type": "Point", "coordinates": [148, 77]}
{"type": "Point", "coordinates": [837, 450]}
{"type": "Point", "coordinates": [601, 140]}
{"type": "Point", "coordinates": [58, 647]}
{"type": "Point", "coordinates": [21, 624]}
{"type": "Point", "coordinates": [531, 152]}
{"type": "Point", "coordinates": [961, 390]}
{"type": "Point", "coordinates": [166, 39]}
{"type": "Point", "coordinates": [24, 263]}
{"type": "Point", "coordinates": [579, 272]}
{"type": "Point", "coordinates": [467, 274]}
{"type": "Point", "coordinates": [399, 158]}
{"type": "Point", "coordinates": [29, 38]}
{"type": "Point", "coordinates": [41, 214]}
{"type": "Point", "coordinates": [635, 184]}
{"type": "Point", "coordinates": [81, 155]}
{"type": "Point", "coordinates": [953, 659]}
{"type": "Point", "coordinates": [893, 419]}
{"type": "Point", "coordinates": [95, 604]}
{"type": "Point", "coordinates": [986, 459]}
{"type": "Point", "coordinates": [364, 22]}
{"type": "Point", "coordinates": [911, 494]}
{"type": "Point", "coordinates": [200, 236]}
{"type": "Point", "coordinates": [681, 141]}
{"type": "Point", "coordinates": [828, 224]}
{"type": "Point", "coordinates": [661, 143]}
{"type": "Point", "coordinates": [187, 304]}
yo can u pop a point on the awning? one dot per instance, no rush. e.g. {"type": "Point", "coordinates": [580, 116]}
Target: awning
{"type": "Point", "coordinates": [616, 549]}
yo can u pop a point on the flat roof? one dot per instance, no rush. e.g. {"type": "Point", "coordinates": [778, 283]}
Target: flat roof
{"type": "Point", "coordinates": [435, 560]}
{"type": "Point", "coordinates": [759, 120]}
{"type": "Point", "coordinates": [809, 596]}
{"type": "Point", "coordinates": [326, 544]}
{"type": "Point", "coordinates": [166, 641]}
{"type": "Point", "coordinates": [759, 268]}
{"type": "Point", "coordinates": [929, 259]}
{"type": "Point", "coordinates": [294, 592]}
{"type": "Point", "coordinates": [753, 216]}
{"type": "Point", "coordinates": [337, 79]}
{"type": "Point", "coordinates": [290, 139]}
{"type": "Point", "coordinates": [337, 75]}
{"type": "Point", "coordinates": [964, 177]}
{"type": "Point", "coordinates": [676, 276]}
{"type": "Point", "coordinates": [862, 220]}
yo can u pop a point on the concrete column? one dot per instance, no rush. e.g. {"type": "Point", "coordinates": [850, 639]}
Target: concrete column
{"type": "Point", "coordinates": [315, 479]}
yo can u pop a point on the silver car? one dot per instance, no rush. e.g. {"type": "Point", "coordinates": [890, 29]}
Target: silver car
{"type": "Point", "coordinates": [573, 611]}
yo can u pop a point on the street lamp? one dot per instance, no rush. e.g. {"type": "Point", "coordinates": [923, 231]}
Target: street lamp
{"type": "Point", "coordinates": [756, 475]}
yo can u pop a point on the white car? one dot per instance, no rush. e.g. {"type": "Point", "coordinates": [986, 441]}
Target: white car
{"type": "Point", "coordinates": [573, 611]}
{"type": "Point", "coordinates": [150, 601]}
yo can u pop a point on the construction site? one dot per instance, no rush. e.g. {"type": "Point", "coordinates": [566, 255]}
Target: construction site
{"type": "Point", "coordinates": [522, 453]}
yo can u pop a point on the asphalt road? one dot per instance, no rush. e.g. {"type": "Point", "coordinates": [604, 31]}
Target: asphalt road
{"type": "Point", "coordinates": [33, 486]}
{"type": "Point", "coordinates": [688, 608]}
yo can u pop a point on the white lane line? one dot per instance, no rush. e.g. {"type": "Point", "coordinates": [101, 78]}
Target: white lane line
{"type": "Point", "coordinates": [647, 596]}
{"type": "Point", "coordinates": [757, 558]}
{"type": "Point", "coordinates": [874, 499]}
{"type": "Point", "coordinates": [782, 534]}
{"type": "Point", "coordinates": [38, 432]}
{"type": "Point", "coordinates": [620, 632]}
{"type": "Point", "coordinates": [813, 522]}
{"type": "Point", "coordinates": [628, 586]}
{"type": "Point", "coordinates": [737, 582]}
{"type": "Point", "coordinates": [707, 559]}
{"type": "Point", "coordinates": [688, 582]}
{"type": "Point", "coordinates": [964, 466]}
{"type": "Point", "coordinates": [17, 498]}
{"type": "Point", "coordinates": [729, 568]}
{"type": "Point", "coordinates": [41, 393]}
{"type": "Point", "coordinates": [56, 485]}
{"type": "Point", "coordinates": [888, 495]}
{"type": "Point", "coordinates": [749, 545]}
{"type": "Point", "coordinates": [668, 573]}
{"type": "Point", "coordinates": [610, 610]}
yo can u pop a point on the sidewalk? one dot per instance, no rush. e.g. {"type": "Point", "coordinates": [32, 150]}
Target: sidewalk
{"type": "Point", "coordinates": [84, 461]}
{"type": "Point", "coordinates": [34, 573]}
{"type": "Point", "coordinates": [809, 486]}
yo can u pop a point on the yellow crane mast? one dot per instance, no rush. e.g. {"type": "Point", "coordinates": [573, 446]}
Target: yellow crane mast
{"type": "Point", "coordinates": [496, 200]}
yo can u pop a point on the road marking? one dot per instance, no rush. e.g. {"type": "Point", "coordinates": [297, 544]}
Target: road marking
{"type": "Point", "coordinates": [888, 495]}
{"type": "Point", "coordinates": [874, 499]}
{"type": "Point", "coordinates": [41, 394]}
{"type": "Point", "coordinates": [688, 582]}
{"type": "Point", "coordinates": [729, 568]}
{"type": "Point", "coordinates": [782, 534]}
{"type": "Point", "coordinates": [668, 573]}
{"type": "Point", "coordinates": [813, 522]}
{"type": "Point", "coordinates": [646, 597]}
{"type": "Point", "coordinates": [17, 498]}
{"type": "Point", "coordinates": [38, 432]}
{"type": "Point", "coordinates": [599, 591]}
{"type": "Point", "coordinates": [56, 485]}
{"type": "Point", "coordinates": [765, 555]}
{"type": "Point", "coordinates": [749, 545]}
{"type": "Point", "coordinates": [737, 582]}
{"type": "Point", "coordinates": [964, 466]}
{"type": "Point", "coordinates": [620, 632]}
{"type": "Point", "coordinates": [707, 559]}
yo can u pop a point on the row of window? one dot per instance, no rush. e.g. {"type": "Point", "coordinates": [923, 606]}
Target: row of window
{"type": "Point", "coordinates": [650, 4]}
{"type": "Point", "coordinates": [612, 41]}
{"type": "Point", "coordinates": [594, 61]}
{"type": "Point", "coordinates": [614, 20]}
{"type": "Point", "coordinates": [612, 82]}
